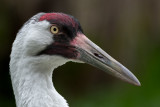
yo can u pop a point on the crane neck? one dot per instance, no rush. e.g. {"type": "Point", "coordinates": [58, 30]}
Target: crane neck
{"type": "Point", "coordinates": [33, 86]}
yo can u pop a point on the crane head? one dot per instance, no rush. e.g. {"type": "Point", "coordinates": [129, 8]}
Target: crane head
{"type": "Point", "coordinates": [50, 35]}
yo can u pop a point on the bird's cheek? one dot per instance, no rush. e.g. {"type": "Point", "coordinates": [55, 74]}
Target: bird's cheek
{"type": "Point", "coordinates": [68, 52]}
{"type": "Point", "coordinates": [63, 50]}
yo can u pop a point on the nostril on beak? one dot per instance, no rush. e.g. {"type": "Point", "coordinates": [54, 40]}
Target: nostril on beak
{"type": "Point", "coordinates": [97, 55]}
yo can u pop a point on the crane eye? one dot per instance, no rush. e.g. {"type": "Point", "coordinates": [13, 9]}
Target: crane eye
{"type": "Point", "coordinates": [54, 29]}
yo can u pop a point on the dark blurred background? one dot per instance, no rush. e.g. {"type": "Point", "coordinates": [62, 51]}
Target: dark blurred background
{"type": "Point", "coordinates": [129, 30]}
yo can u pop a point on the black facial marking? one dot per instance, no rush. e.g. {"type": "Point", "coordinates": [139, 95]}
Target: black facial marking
{"type": "Point", "coordinates": [60, 50]}
{"type": "Point", "coordinates": [67, 28]}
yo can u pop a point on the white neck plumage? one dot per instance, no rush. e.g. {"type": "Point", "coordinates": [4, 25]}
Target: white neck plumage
{"type": "Point", "coordinates": [32, 83]}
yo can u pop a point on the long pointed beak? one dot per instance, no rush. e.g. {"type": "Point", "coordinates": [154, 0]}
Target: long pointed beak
{"type": "Point", "coordinates": [92, 54]}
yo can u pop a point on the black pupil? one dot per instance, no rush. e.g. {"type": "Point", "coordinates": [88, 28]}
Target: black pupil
{"type": "Point", "coordinates": [55, 29]}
